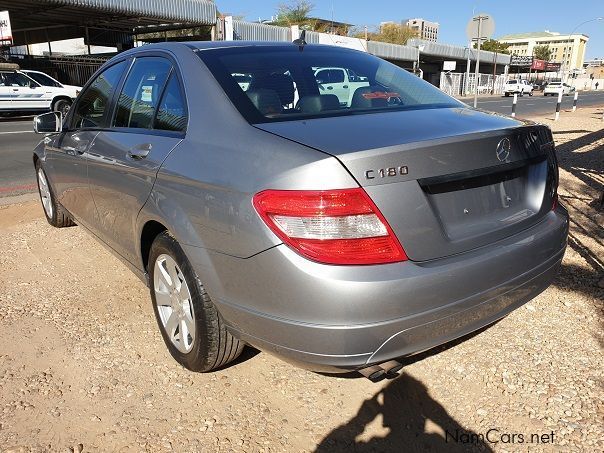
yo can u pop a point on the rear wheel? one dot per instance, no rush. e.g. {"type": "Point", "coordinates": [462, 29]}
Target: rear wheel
{"type": "Point", "coordinates": [191, 327]}
{"type": "Point", "coordinates": [62, 106]}
{"type": "Point", "coordinates": [55, 214]}
{"type": "Point", "coordinates": [507, 95]}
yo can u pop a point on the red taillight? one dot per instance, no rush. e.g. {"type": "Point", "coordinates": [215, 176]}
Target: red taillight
{"type": "Point", "coordinates": [340, 226]}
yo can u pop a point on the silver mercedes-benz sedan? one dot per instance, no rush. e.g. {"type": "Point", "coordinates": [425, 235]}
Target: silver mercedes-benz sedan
{"type": "Point", "coordinates": [315, 202]}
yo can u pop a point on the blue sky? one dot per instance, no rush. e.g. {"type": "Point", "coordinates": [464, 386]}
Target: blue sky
{"type": "Point", "coordinates": [553, 15]}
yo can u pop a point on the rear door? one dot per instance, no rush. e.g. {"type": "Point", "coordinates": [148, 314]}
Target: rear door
{"type": "Point", "coordinates": [149, 121]}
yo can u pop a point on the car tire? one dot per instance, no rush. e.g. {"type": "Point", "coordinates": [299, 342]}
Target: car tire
{"type": "Point", "coordinates": [507, 95]}
{"type": "Point", "coordinates": [55, 214]}
{"type": "Point", "coordinates": [521, 93]}
{"type": "Point", "coordinates": [530, 93]}
{"type": "Point", "coordinates": [61, 105]}
{"type": "Point", "coordinates": [183, 308]}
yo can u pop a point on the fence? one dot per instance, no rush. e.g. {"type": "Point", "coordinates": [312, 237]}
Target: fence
{"type": "Point", "coordinates": [243, 30]}
{"type": "Point", "coordinates": [455, 84]}
{"type": "Point", "coordinates": [71, 70]}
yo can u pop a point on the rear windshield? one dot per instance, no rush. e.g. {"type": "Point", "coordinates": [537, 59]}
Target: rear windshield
{"type": "Point", "coordinates": [555, 84]}
{"type": "Point", "coordinates": [285, 83]}
{"type": "Point", "coordinates": [512, 82]}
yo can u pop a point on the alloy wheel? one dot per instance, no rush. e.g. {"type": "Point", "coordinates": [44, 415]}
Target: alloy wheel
{"type": "Point", "coordinates": [45, 195]}
{"type": "Point", "coordinates": [174, 305]}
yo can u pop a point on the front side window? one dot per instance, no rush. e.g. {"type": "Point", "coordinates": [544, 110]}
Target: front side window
{"type": "Point", "coordinates": [16, 79]}
{"type": "Point", "coordinates": [138, 101]}
{"type": "Point", "coordinates": [289, 84]}
{"type": "Point", "coordinates": [94, 101]}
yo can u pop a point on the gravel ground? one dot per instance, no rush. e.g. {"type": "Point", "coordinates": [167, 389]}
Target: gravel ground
{"type": "Point", "coordinates": [83, 366]}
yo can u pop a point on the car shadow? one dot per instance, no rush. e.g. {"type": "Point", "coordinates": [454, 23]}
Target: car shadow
{"type": "Point", "coordinates": [413, 422]}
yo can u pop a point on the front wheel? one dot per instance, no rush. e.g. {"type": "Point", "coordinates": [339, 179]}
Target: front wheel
{"type": "Point", "coordinates": [54, 212]}
{"type": "Point", "coordinates": [530, 93]}
{"type": "Point", "coordinates": [191, 327]}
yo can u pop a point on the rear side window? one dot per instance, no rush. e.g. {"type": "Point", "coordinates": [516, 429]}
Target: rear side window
{"type": "Point", "coordinates": [15, 79]}
{"type": "Point", "coordinates": [140, 96]}
{"type": "Point", "coordinates": [90, 109]}
{"type": "Point", "coordinates": [172, 113]}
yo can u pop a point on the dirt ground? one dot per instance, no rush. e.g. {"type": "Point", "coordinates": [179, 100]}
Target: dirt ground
{"type": "Point", "coordinates": [83, 366]}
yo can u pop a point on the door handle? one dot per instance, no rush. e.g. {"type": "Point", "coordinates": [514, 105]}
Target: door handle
{"type": "Point", "coordinates": [330, 88]}
{"type": "Point", "coordinates": [15, 89]}
{"type": "Point", "coordinates": [140, 151]}
{"type": "Point", "coordinates": [345, 86]}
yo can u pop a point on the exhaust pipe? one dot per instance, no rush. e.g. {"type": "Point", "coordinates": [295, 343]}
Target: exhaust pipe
{"type": "Point", "coordinates": [388, 369]}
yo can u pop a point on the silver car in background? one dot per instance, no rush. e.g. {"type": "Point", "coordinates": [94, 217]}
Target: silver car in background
{"type": "Point", "coordinates": [338, 237]}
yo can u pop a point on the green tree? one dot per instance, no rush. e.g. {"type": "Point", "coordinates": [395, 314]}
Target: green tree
{"type": "Point", "coordinates": [543, 53]}
{"type": "Point", "coordinates": [392, 33]}
{"type": "Point", "coordinates": [493, 45]}
{"type": "Point", "coordinates": [294, 13]}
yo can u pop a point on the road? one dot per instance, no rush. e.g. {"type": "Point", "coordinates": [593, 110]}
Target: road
{"type": "Point", "coordinates": [17, 139]}
{"type": "Point", "coordinates": [536, 105]}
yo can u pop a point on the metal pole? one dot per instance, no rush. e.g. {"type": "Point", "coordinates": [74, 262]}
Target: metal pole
{"type": "Point", "coordinates": [558, 106]}
{"type": "Point", "coordinates": [88, 40]}
{"type": "Point", "coordinates": [476, 74]}
{"type": "Point", "coordinates": [466, 91]}
{"type": "Point", "coordinates": [514, 105]}
{"type": "Point", "coordinates": [575, 101]}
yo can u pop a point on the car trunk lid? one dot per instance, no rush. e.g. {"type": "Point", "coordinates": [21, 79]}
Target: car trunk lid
{"type": "Point", "coordinates": [447, 180]}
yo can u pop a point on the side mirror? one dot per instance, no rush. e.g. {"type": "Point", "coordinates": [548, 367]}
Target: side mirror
{"type": "Point", "coordinates": [48, 123]}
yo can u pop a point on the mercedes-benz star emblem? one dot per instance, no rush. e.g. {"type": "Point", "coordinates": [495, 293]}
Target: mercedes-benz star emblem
{"type": "Point", "coordinates": [503, 149]}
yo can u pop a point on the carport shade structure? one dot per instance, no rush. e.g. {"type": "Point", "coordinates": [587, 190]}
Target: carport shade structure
{"type": "Point", "coordinates": [35, 21]}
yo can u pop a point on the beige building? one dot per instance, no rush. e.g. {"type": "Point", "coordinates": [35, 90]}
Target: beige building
{"type": "Point", "coordinates": [569, 50]}
{"type": "Point", "coordinates": [425, 29]}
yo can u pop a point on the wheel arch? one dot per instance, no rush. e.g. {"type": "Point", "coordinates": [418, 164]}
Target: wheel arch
{"type": "Point", "coordinates": [151, 229]}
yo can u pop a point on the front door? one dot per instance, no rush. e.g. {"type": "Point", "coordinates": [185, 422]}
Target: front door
{"type": "Point", "coordinates": [27, 93]}
{"type": "Point", "coordinates": [68, 157]}
{"type": "Point", "coordinates": [124, 160]}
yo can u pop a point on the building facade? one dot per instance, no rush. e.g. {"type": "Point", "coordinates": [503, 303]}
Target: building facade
{"type": "Point", "coordinates": [425, 30]}
{"type": "Point", "coordinates": [568, 50]}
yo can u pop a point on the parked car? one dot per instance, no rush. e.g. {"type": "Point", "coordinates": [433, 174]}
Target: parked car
{"type": "Point", "coordinates": [337, 237]}
{"type": "Point", "coordinates": [342, 82]}
{"type": "Point", "coordinates": [554, 89]}
{"type": "Point", "coordinates": [539, 85]}
{"type": "Point", "coordinates": [47, 81]}
{"type": "Point", "coordinates": [20, 93]}
{"type": "Point", "coordinates": [520, 87]}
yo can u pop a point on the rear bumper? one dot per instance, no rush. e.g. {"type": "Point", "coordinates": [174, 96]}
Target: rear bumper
{"type": "Point", "coordinates": [337, 318]}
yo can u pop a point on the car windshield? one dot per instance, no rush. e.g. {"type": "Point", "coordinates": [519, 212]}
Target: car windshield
{"type": "Point", "coordinates": [43, 79]}
{"type": "Point", "coordinates": [512, 82]}
{"type": "Point", "coordinates": [281, 83]}
{"type": "Point", "coordinates": [554, 84]}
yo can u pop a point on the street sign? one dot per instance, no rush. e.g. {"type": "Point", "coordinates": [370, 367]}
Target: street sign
{"type": "Point", "coordinates": [483, 22]}
{"type": "Point", "coordinates": [521, 60]}
{"type": "Point", "coordinates": [6, 34]}
{"type": "Point", "coordinates": [449, 65]}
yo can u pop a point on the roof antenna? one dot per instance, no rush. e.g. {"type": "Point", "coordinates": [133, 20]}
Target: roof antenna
{"type": "Point", "coordinates": [301, 41]}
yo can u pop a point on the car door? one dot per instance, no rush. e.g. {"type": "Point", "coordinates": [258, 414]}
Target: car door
{"type": "Point", "coordinates": [149, 121]}
{"type": "Point", "coordinates": [333, 81]}
{"type": "Point", "coordinates": [27, 93]}
{"type": "Point", "coordinates": [69, 153]}
{"type": "Point", "coordinates": [6, 93]}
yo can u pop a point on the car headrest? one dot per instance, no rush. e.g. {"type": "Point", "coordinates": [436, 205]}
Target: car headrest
{"type": "Point", "coordinates": [282, 84]}
{"type": "Point", "coordinates": [317, 103]}
{"type": "Point", "coordinates": [363, 98]}
{"type": "Point", "coordinates": [266, 101]}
